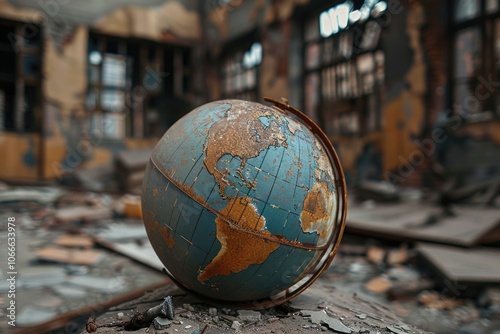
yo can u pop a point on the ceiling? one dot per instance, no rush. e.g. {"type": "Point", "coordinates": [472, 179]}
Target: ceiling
{"type": "Point", "coordinates": [85, 12]}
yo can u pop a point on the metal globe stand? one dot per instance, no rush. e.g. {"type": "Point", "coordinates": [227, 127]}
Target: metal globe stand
{"type": "Point", "coordinates": [331, 247]}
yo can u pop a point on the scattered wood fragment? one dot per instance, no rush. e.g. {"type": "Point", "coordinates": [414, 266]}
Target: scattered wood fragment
{"type": "Point", "coordinates": [81, 257]}
{"type": "Point", "coordinates": [70, 240]}
{"type": "Point", "coordinates": [378, 284]}
{"type": "Point", "coordinates": [376, 254]}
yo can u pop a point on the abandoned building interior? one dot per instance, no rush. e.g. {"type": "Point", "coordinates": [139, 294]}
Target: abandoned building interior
{"type": "Point", "coordinates": [407, 91]}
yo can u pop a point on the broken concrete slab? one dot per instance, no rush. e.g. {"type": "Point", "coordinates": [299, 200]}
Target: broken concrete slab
{"type": "Point", "coordinates": [100, 284]}
{"type": "Point", "coordinates": [43, 195]}
{"type": "Point", "coordinates": [395, 221]}
{"type": "Point", "coordinates": [249, 315]}
{"type": "Point", "coordinates": [140, 252]}
{"type": "Point", "coordinates": [133, 159]}
{"type": "Point", "coordinates": [341, 312]}
{"type": "Point", "coordinates": [123, 232]}
{"type": "Point", "coordinates": [68, 291]}
{"type": "Point", "coordinates": [378, 191]}
{"type": "Point", "coordinates": [322, 318]}
{"type": "Point", "coordinates": [30, 315]}
{"type": "Point", "coordinates": [467, 266]}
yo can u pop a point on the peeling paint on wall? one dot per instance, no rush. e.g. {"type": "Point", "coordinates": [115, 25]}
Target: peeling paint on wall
{"type": "Point", "coordinates": [404, 115]}
{"type": "Point", "coordinates": [66, 73]}
{"type": "Point", "coordinates": [22, 154]}
{"type": "Point", "coordinates": [274, 68]}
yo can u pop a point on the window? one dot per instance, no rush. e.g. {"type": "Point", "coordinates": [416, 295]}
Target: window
{"type": "Point", "coordinates": [476, 58]}
{"type": "Point", "coordinates": [134, 86]}
{"type": "Point", "coordinates": [240, 72]}
{"type": "Point", "coordinates": [19, 77]}
{"type": "Point", "coordinates": [344, 68]}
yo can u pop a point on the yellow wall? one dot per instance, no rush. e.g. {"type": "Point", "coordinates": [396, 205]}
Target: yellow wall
{"type": "Point", "coordinates": [64, 88]}
{"type": "Point", "coordinates": [20, 156]}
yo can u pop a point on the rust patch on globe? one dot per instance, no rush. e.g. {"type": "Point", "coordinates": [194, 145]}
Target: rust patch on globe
{"type": "Point", "coordinates": [240, 249]}
{"type": "Point", "coordinates": [168, 238]}
{"type": "Point", "coordinates": [315, 212]}
{"type": "Point", "coordinates": [242, 121]}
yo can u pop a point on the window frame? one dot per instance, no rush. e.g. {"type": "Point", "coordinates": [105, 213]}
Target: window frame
{"type": "Point", "coordinates": [232, 60]}
{"type": "Point", "coordinates": [331, 112]}
{"type": "Point", "coordinates": [21, 80]}
{"type": "Point", "coordinates": [139, 90]}
{"type": "Point", "coordinates": [478, 108]}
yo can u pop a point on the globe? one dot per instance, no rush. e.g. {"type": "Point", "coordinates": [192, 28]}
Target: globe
{"type": "Point", "coordinates": [244, 203]}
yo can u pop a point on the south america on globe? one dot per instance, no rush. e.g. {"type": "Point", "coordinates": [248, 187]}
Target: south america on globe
{"type": "Point", "coordinates": [242, 201]}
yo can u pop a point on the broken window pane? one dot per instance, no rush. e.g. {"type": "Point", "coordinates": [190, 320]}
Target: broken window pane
{"type": "Point", "coordinates": [114, 71]}
{"type": "Point", "coordinates": [31, 65]}
{"type": "Point", "coordinates": [328, 83]}
{"type": "Point", "coordinates": [497, 46]}
{"type": "Point", "coordinates": [467, 52]}
{"type": "Point", "coordinates": [467, 9]}
{"type": "Point", "coordinates": [379, 57]}
{"type": "Point", "coordinates": [491, 6]}
{"type": "Point", "coordinates": [113, 100]}
{"type": "Point", "coordinates": [113, 125]}
{"type": "Point", "coordinates": [313, 55]}
{"type": "Point", "coordinates": [31, 36]}
{"type": "Point", "coordinates": [345, 44]}
{"type": "Point", "coordinates": [311, 30]}
{"type": "Point", "coordinates": [371, 35]}
{"type": "Point", "coordinates": [328, 51]}
{"type": "Point", "coordinates": [312, 96]}
{"type": "Point", "coordinates": [30, 100]}
{"type": "Point", "coordinates": [465, 101]}
{"type": "Point", "coordinates": [251, 78]}
{"type": "Point", "coordinates": [91, 99]}
{"type": "Point", "coordinates": [93, 74]}
{"type": "Point", "coordinates": [349, 123]}
{"type": "Point", "coordinates": [365, 63]}
{"type": "Point", "coordinates": [373, 114]}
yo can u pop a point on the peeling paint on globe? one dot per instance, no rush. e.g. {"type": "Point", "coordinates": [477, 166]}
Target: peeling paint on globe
{"type": "Point", "coordinates": [241, 201]}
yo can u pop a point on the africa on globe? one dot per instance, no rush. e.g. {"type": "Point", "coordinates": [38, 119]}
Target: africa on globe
{"type": "Point", "coordinates": [244, 203]}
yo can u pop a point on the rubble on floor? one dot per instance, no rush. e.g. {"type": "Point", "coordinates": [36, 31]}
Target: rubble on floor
{"type": "Point", "coordinates": [60, 266]}
{"type": "Point", "coordinates": [320, 308]}
{"type": "Point", "coordinates": [80, 249]}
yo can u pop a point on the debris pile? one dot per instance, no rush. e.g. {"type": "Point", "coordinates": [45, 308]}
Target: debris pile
{"type": "Point", "coordinates": [60, 265]}
{"type": "Point", "coordinates": [79, 249]}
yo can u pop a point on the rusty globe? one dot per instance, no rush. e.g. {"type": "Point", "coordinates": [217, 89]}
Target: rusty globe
{"type": "Point", "coordinates": [244, 203]}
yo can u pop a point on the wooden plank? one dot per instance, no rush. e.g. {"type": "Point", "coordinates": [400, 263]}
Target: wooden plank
{"type": "Point", "coordinates": [142, 253]}
{"type": "Point", "coordinates": [406, 222]}
{"type": "Point", "coordinates": [86, 213]}
{"type": "Point", "coordinates": [79, 241]}
{"type": "Point", "coordinates": [66, 318]}
{"type": "Point", "coordinates": [82, 257]}
{"type": "Point", "coordinates": [468, 266]}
